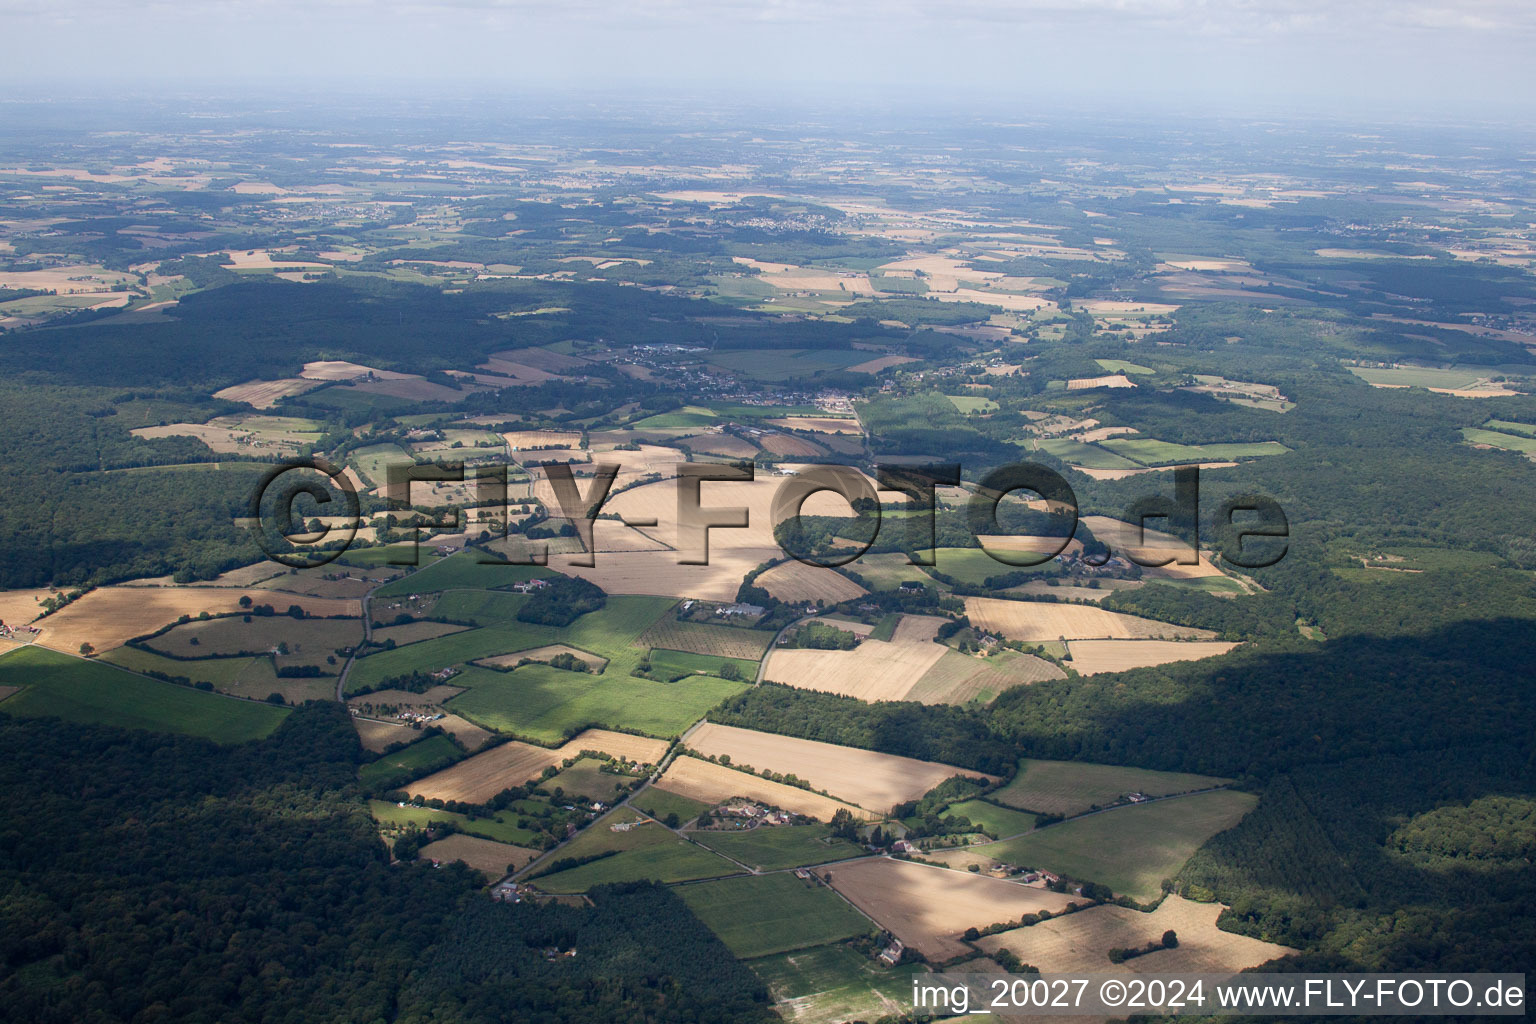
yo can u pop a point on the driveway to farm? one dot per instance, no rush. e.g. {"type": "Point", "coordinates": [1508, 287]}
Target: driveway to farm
{"type": "Point", "coordinates": [346, 670]}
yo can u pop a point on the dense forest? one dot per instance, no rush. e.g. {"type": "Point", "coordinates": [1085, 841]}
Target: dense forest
{"type": "Point", "coordinates": [157, 877]}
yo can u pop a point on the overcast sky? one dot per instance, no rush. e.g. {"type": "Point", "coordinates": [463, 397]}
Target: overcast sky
{"type": "Point", "coordinates": [1342, 56]}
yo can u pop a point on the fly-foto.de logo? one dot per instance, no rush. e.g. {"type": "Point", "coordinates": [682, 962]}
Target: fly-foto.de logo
{"type": "Point", "coordinates": [713, 504]}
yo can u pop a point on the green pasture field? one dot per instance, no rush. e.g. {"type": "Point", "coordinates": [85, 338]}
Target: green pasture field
{"type": "Point", "coordinates": [665, 663]}
{"type": "Point", "coordinates": [1499, 439]}
{"type": "Point", "coordinates": [350, 399]}
{"type": "Point", "coordinates": [82, 691]}
{"type": "Point", "coordinates": [1072, 787]}
{"type": "Point", "coordinates": [502, 828]}
{"type": "Point", "coordinates": [1130, 849]}
{"type": "Point", "coordinates": [1123, 366]}
{"type": "Point", "coordinates": [741, 286]}
{"type": "Point", "coordinates": [836, 983]}
{"type": "Point", "coordinates": [885, 629]}
{"type": "Point", "coordinates": [1151, 452]}
{"type": "Point", "coordinates": [658, 803]}
{"type": "Point", "coordinates": [969, 565]}
{"type": "Point", "coordinates": [970, 403]}
{"type": "Point", "coordinates": [608, 632]}
{"type": "Point", "coordinates": [898, 285]}
{"type": "Point", "coordinates": [1076, 453]}
{"type": "Point", "coordinates": [770, 848]}
{"type": "Point", "coordinates": [461, 571]}
{"type": "Point", "coordinates": [647, 851]}
{"type": "Point", "coordinates": [586, 779]}
{"type": "Point", "coordinates": [386, 556]}
{"type": "Point", "coordinates": [1437, 559]}
{"type": "Point", "coordinates": [756, 915]}
{"type": "Point", "coordinates": [373, 461]}
{"type": "Point", "coordinates": [270, 427]}
{"type": "Point", "coordinates": [410, 762]}
{"type": "Point", "coordinates": [995, 821]}
{"type": "Point", "coordinates": [482, 607]}
{"type": "Point", "coordinates": [1421, 376]}
{"type": "Point", "coordinates": [888, 571]}
{"type": "Point", "coordinates": [548, 705]}
{"type": "Point", "coordinates": [707, 638]}
{"type": "Point", "coordinates": [223, 673]}
{"type": "Point", "coordinates": [254, 678]}
{"type": "Point", "coordinates": [687, 416]}
{"type": "Point", "coordinates": [1511, 427]}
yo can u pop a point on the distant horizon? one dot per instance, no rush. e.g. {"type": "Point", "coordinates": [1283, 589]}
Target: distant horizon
{"type": "Point", "coordinates": [403, 102]}
{"type": "Point", "coordinates": [1374, 60]}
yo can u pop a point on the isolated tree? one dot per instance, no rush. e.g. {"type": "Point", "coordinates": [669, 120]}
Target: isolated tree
{"type": "Point", "coordinates": [87, 650]}
{"type": "Point", "coordinates": [1170, 939]}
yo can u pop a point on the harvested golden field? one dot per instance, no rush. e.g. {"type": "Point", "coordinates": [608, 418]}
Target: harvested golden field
{"type": "Point", "coordinates": [658, 572]}
{"type": "Point", "coordinates": [264, 394]}
{"type": "Point", "coordinates": [513, 763]}
{"type": "Point", "coordinates": [1007, 300]}
{"type": "Point", "coordinates": [469, 735]}
{"type": "Point", "coordinates": [1021, 542]}
{"type": "Point", "coordinates": [380, 736]}
{"type": "Point", "coordinates": [411, 388]}
{"type": "Point", "coordinates": [640, 749]}
{"type": "Point", "coordinates": [543, 358]}
{"type": "Point", "coordinates": [1101, 307]}
{"type": "Point", "coordinates": [1114, 380]}
{"type": "Point", "coordinates": [545, 653]}
{"type": "Point", "coordinates": [1091, 657]}
{"type": "Point", "coordinates": [870, 779]}
{"type": "Point", "coordinates": [929, 908]}
{"type": "Point", "coordinates": [959, 678]}
{"type": "Point", "coordinates": [917, 629]}
{"type": "Point", "coordinates": [475, 780]}
{"type": "Point", "coordinates": [728, 445]}
{"type": "Point", "coordinates": [608, 535]}
{"type": "Point", "coordinates": [525, 439]}
{"type": "Point", "coordinates": [245, 576]}
{"type": "Point", "coordinates": [820, 424]}
{"type": "Point", "coordinates": [659, 501]}
{"type": "Point", "coordinates": [646, 459]}
{"type": "Point", "coordinates": [224, 439]}
{"type": "Point", "coordinates": [785, 444]}
{"type": "Point", "coordinates": [796, 581]}
{"type": "Point", "coordinates": [1038, 621]}
{"type": "Point", "coordinates": [340, 369]}
{"type": "Point", "coordinates": [713, 784]}
{"type": "Point", "coordinates": [521, 373]}
{"type": "Point", "coordinates": [22, 606]}
{"type": "Point", "coordinates": [491, 859]}
{"type": "Point", "coordinates": [1081, 942]}
{"type": "Point", "coordinates": [108, 617]}
{"type": "Point", "coordinates": [874, 670]}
